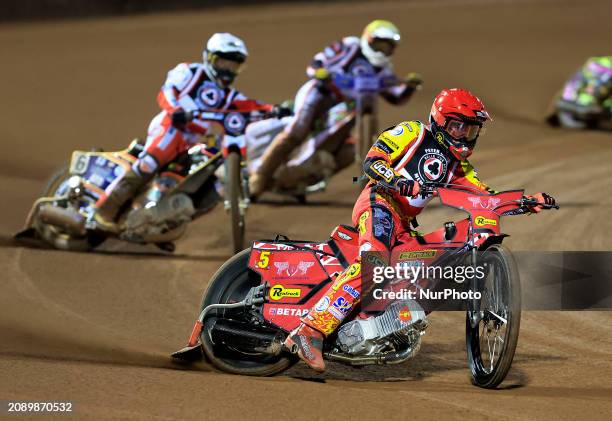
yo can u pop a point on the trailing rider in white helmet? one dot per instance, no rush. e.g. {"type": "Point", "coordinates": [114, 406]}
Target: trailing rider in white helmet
{"type": "Point", "coordinates": [198, 86]}
{"type": "Point", "coordinates": [369, 54]}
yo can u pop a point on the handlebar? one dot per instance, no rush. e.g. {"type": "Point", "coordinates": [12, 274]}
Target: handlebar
{"type": "Point", "coordinates": [431, 188]}
{"type": "Point", "coordinates": [364, 83]}
{"type": "Point", "coordinates": [265, 111]}
{"type": "Point", "coordinates": [532, 202]}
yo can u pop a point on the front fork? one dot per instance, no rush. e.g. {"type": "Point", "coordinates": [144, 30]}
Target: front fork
{"type": "Point", "coordinates": [365, 132]}
{"type": "Point", "coordinates": [473, 309]}
{"type": "Point", "coordinates": [245, 200]}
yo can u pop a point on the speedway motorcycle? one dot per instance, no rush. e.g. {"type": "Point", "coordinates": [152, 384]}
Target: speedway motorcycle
{"type": "Point", "coordinates": [358, 110]}
{"type": "Point", "coordinates": [159, 214]}
{"type": "Point", "coordinates": [307, 170]}
{"type": "Point", "coordinates": [363, 91]}
{"type": "Point", "coordinates": [234, 174]}
{"type": "Point", "coordinates": [573, 115]}
{"type": "Point", "coordinates": [258, 296]}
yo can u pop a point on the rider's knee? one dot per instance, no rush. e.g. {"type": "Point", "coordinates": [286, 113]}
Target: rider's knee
{"type": "Point", "coordinates": [297, 132]}
{"type": "Point", "coordinates": [146, 165]}
{"type": "Point", "coordinates": [302, 123]}
{"type": "Point", "coordinates": [383, 225]}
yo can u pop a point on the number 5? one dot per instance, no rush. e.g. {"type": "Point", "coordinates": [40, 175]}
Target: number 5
{"type": "Point", "coordinates": [264, 260]}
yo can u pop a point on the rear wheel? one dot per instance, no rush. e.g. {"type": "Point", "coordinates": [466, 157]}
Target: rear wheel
{"type": "Point", "coordinates": [230, 284]}
{"type": "Point", "coordinates": [55, 236]}
{"type": "Point", "coordinates": [235, 199]}
{"type": "Point", "coordinates": [493, 323]}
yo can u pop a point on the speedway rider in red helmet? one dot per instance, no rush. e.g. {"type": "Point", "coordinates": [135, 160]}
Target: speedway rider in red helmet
{"type": "Point", "coordinates": [399, 162]}
{"type": "Point", "coordinates": [189, 87]}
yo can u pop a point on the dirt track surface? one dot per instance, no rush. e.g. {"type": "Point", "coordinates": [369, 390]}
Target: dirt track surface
{"type": "Point", "coordinates": [97, 329]}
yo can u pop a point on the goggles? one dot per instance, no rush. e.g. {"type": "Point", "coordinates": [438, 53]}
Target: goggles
{"type": "Point", "coordinates": [226, 64]}
{"type": "Point", "coordinates": [462, 130]}
{"type": "Point", "coordinates": [383, 45]}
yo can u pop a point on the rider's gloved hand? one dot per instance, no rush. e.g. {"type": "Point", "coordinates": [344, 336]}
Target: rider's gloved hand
{"type": "Point", "coordinates": [414, 79]}
{"type": "Point", "coordinates": [544, 199]}
{"type": "Point", "coordinates": [323, 80]}
{"type": "Point", "coordinates": [180, 118]}
{"type": "Point", "coordinates": [282, 110]}
{"type": "Point", "coordinates": [406, 187]}
{"type": "Point", "coordinates": [322, 74]}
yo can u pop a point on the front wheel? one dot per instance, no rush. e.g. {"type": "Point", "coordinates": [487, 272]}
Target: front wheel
{"type": "Point", "coordinates": [493, 323]}
{"type": "Point", "coordinates": [366, 127]}
{"type": "Point", "coordinates": [235, 199]}
{"type": "Point", "coordinates": [231, 284]}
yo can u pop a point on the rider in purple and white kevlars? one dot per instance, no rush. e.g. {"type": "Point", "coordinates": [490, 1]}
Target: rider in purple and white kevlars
{"type": "Point", "coordinates": [370, 54]}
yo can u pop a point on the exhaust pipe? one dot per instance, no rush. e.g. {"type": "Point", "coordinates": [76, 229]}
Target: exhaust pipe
{"type": "Point", "coordinates": [245, 337]}
{"type": "Point", "coordinates": [66, 218]}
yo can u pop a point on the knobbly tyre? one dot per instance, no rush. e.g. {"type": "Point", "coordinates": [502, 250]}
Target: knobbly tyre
{"type": "Point", "coordinates": [307, 171]}
{"type": "Point", "coordinates": [234, 174]}
{"type": "Point", "coordinates": [259, 295]}
{"type": "Point", "coordinates": [184, 190]}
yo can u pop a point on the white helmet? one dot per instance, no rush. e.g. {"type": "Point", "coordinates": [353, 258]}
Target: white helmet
{"type": "Point", "coordinates": [223, 57]}
{"type": "Point", "coordinates": [378, 41]}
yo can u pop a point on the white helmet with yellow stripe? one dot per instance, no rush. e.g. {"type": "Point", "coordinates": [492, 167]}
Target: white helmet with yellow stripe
{"type": "Point", "coordinates": [378, 42]}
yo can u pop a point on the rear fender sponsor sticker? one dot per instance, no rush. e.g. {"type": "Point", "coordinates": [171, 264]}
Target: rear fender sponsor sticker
{"type": "Point", "coordinates": [351, 291]}
{"type": "Point", "coordinates": [278, 292]}
{"type": "Point", "coordinates": [287, 311]}
{"type": "Point", "coordinates": [322, 304]}
{"type": "Point", "coordinates": [481, 221]}
{"type": "Point", "coordinates": [288, 269]}
{"type": "Point", "coordinates": [351, 273]}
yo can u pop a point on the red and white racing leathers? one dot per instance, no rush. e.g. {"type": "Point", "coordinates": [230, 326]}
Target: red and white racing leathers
{"type": "Point", "coordinates": [189, 87]}
{"type": "Point", "coordinates": [408, 150]}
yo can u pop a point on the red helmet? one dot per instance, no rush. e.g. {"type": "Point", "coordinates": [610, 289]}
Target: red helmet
{"type": "Point", "coordinates": [456, 119]}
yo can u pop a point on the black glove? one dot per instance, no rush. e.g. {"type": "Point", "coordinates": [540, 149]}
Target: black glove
{"type": "Point", "coordinates": [549, 200]}
{"type": "Point", "coordinates": [406, 187]}
{"type": "Point", "coordinates": [542, 198]}
{"type": "Point", "coordinates": [180, 118]}
{"type": "Point", "coordinates": [280, 111]}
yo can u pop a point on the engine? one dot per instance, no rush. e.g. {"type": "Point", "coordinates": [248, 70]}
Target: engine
{"type": "Point", "coordinates": [401, 324]}
{"type": "Point", "coordinates": [155, 219]}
